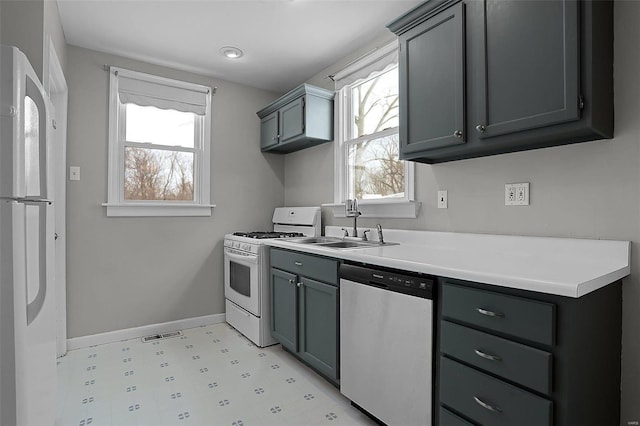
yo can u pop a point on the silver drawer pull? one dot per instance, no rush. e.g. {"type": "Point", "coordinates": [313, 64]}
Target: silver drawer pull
{"type": "Point", "coordinates": [300, 284]}
{"type": "Point", "coordinates": [292, 282]}
{"type": "Point", "coordinates": [487, 406]}
{"type": "Point", "coordinates": [490, 313]}
{"type": "Point", "coordinates": [298, 263]}
{"type": "Point", "coordinates": [487, 356]}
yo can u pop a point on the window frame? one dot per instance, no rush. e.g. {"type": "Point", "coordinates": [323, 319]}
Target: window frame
{"type": "Point", "coordinates": [396, 207]}
{"type": "Point", "coordinates": [116, 203]}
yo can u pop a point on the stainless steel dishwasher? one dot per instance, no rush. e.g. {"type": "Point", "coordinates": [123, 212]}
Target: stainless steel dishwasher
{"type": "Point", "coordinates": [386, 343]}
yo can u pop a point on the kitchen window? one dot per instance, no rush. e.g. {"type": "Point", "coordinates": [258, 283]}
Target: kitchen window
{"type": "Point", "coordinates": [367, 143]}
{"type": "Point", "coordinates": [159, 146]}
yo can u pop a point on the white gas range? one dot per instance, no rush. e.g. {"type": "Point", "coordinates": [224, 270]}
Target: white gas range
{"type": "Point", "coordinates": [246, 270]}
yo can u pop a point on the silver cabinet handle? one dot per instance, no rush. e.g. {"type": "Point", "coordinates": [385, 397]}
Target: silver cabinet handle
{"type": "Point", "coordinates": [481, 128]}
{"type": "Point", "coordinates": [457, 134]}
{"type": "Point", "coordinates": [300, 284]}
{"type": "Point", "coordinates": [487, 356]}
{"type": "Point", "coordinates": [275, 138]}
{"type": "Point", "coordinates": [490, 313]}
{"type": "Point", "coordinates": [297, 263]}
{"type": "Point", "coordinates": [292, 282]}
{"type": "Point", "coordinates": [487, 406]}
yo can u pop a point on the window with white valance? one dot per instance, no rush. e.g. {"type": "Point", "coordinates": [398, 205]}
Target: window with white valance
{"type": "Point", "coordinates": [367, 166]}
{"type": "Point", "coordinates": [159, 146]}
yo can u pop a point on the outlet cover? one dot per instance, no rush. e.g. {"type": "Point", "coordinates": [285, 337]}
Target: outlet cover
{"type": "Point", "coordinates": [516, 194]}
{"type": "Point", "coordinates": [442, 200]}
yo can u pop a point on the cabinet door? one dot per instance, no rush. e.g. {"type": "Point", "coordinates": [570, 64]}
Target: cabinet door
{"type": "Point", "coordinates": [269, 131]}
{"type": "Point", "coordinates": [284, 312]}
{"type": "Point", "coordinates": [432, 111]}
{"type": "Point", "coordinates": [319, 326]}
{"type": "Point", "coordinates": [292, 120]}
{"type": "Point", "coordinates": [527, 69]}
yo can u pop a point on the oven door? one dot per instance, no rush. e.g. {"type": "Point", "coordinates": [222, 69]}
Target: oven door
{"type": "Point", "coordinates": [242, 279]}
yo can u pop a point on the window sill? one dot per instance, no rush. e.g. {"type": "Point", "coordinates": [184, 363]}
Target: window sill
{"type": "Point", "coordinates": [387, 209]}
{"type": "Point", "coordinates": [157, 209]}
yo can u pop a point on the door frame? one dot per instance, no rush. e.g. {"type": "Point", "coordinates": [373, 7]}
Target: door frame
{"type": "Point", "coordinates": [55, 86]}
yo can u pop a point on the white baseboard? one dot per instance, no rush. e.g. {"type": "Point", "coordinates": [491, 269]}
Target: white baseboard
{"type": "Point", "coordinates": [145, 330]}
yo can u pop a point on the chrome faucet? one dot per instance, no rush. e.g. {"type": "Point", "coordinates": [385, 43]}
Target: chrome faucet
{"type": "Point", "coordinates": [380, 236]}
{"type": "Point", "coordinates": [351, 210]}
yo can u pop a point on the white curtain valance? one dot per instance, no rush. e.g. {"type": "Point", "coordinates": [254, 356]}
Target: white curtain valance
{"type": "Point", "coordinates": [379, 60]}
{"type": "Point", "coordinates": [149, 90]}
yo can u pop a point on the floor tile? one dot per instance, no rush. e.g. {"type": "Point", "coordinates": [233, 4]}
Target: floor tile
{"type": "Point", "coordinates": [209, 376]}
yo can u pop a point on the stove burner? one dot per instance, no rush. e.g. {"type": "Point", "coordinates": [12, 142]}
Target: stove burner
{"type": "Point", "coordinates": [260, 235]}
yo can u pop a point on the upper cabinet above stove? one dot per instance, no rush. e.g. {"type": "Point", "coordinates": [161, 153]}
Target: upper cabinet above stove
{"type": "Point", "coordinates": [484, 77]}
{"type": "Point", "coordinates": [297, 120]}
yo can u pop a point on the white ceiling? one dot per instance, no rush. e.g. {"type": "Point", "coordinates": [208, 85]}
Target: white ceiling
{"type": "Point", "coordinates": [285, 42]}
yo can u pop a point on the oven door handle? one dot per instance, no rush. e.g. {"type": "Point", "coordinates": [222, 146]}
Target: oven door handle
{"type": "Point", "coordinates": [241, 257]}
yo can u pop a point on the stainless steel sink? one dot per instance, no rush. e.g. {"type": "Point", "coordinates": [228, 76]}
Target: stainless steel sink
{"type": "Point", "coordinates": [314, 240]}
{"type": "Point", "coordinates": [337, 243]}
{"type": "Point", "coordinates": [351, 244]}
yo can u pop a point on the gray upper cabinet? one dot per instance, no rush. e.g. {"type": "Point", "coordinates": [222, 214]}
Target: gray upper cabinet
{"type": "Point", "coordinates": [269, 131]}
{"type": "Point", "coordinates": [299, 119]}
{"type": "Point", "coordinates": [533, 74]}
{"type": "Point", "coordinates": [527, 65]}
{"type": "Point", "coordinates": [432, 58]}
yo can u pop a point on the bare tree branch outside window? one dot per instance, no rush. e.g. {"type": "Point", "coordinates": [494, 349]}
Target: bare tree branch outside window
{"type": "Point", "coordinates": [376, 170]}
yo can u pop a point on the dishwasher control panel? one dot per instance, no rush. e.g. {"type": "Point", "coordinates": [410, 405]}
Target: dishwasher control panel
{"type": "Point", "coordinates": [415, 284]}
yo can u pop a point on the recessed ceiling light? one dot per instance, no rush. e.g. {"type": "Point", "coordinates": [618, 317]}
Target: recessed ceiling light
{"type": "Point", "coordinates": [231, 52]}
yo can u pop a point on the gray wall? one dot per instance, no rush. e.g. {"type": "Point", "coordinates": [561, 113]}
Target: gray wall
{"type": "Point", "coordinates": [128, 272]}
{"type": "Point", "coordinates": [28, 24]}
{"type": "Point", "coordinates": [589, 190]}
{"type": "Point", "coordinates": [23, 26]}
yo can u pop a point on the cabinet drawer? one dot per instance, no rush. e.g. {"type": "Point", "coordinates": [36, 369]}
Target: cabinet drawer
{"type": "Point", "coordinates": [447, 418]}
{"type": "Point", "coordinates": [490, 401]}
{"type": "Point", "coordinates": [514, 316]}
{"type": "Point", "coordinates": [522, 364]}
{"type": "Point", "coordinates": [315, 267]}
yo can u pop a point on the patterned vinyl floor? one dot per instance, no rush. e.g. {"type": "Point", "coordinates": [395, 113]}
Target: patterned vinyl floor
{"type": "Point", "coordinates": [210, 376]}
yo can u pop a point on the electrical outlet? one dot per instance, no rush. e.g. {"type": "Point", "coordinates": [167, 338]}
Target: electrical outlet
{"type": "Point", "coordinates": [516, 194]}
{"type": "Point", "coordinates": [442, 200]}
{"type": "Point", "coordinates": [509, 194]}
{"type": "Point", "coordinates": [522, 194]}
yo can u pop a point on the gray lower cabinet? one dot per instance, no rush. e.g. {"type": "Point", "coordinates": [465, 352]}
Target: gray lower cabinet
{"type": "Point", "coordinates": [515, 357]}
{"type": "Point", "coordinates": [304, 304]}
{"type": "Point", "coordinates": [484, 77]}
{"type": "Point", "coordinates": [299, 119]}
{"type": "Point", "coordinates": [284, 308]}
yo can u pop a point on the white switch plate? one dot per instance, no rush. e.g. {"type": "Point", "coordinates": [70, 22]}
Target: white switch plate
{"type": "Point", "coordinates": [516, 194]}
{"type": "Point", "coordinates": [442, 200]}
{"type": "Point", "coordinates": [74, 173]}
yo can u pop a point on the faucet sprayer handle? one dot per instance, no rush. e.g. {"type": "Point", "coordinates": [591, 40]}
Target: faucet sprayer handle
{"type": "Point", "coordinates": [364, 234]}
{"type": "Point", "coordinates": [346, 232]}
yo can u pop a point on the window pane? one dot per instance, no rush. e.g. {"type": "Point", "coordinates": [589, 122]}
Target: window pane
{"type": "Point", "coordinates": [156, 174]}
{"type": "Point", "coordinates": [374, 170]}
{"type": "Point", "coordinates": [375, 104]}
{"type": "Point", "coordinates": [147, 124]}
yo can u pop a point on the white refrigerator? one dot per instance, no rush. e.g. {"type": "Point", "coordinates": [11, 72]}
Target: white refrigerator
{"type": "Point", "coordinates": [27, 310]}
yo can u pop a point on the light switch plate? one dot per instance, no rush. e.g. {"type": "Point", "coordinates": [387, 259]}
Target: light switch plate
{"type": "Point", "coordinates": [442, 200]}
{"type": "Point", "coordinates": [74, 173]}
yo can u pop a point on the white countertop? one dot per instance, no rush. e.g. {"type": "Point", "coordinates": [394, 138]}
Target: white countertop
{"type": "Point", "coordinates": [562, 266]}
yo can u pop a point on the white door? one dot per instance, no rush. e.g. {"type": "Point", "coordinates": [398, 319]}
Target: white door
{"type": "Point", "coordinates": [56, 88]}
